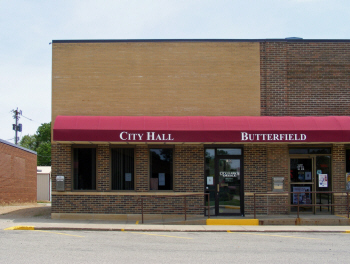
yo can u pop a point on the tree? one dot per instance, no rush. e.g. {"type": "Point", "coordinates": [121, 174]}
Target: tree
{"type": "Point", "coordinates": [41, 143]}
{"type": "Point", "coordinates": [28, 141]}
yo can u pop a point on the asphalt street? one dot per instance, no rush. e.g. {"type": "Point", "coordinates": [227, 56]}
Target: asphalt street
{"type": "Point", "coordinates": [41, 246]}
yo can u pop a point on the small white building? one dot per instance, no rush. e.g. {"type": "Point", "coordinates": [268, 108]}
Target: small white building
{"type": "Point", "coordinates": [43, 183]}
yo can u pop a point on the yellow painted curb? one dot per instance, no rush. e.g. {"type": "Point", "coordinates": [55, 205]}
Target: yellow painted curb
{"type": "Point", "coordinates": [232, 221]}
{"type": "Point", "coordinates": [20, 228]}
{"type": "Point", "coordinates": [232, 207]}
{"type": "Point", "coordinates": [347, 231]}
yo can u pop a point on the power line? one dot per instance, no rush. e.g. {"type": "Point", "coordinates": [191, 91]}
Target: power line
{"type": "Point", "coordinates": [28, 118]}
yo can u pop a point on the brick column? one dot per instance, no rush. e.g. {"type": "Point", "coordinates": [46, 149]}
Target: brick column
{"type": "Point", "coordinates": [254, 176]}
{"type": "Point", "coordinates": [277, 164]}
{"type": "Point", "coordinates": [61, 164]}
{"type": "Point", "coordinates": [338, 175]}
{"type": "Point", "coordinates": [142, 168]}
{"type": "Point", "coordinates": [189, 168]}
{"type": "Point", "coordinates": [103, 168]}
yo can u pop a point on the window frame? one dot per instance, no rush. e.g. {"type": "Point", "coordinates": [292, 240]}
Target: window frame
{"type": "Point", "coordinates": [172, 147]}
{"type": "Point", "coordinates": [96, 168]}
{"type": "Point", "coordinates": [111, 168]}
{"type": "Point", "coordinates": [347, 168]}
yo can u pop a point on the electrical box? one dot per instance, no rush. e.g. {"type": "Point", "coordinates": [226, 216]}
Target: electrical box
{"type": "Point", "coordinates": [277, 184]}
{"type": "Point", "coordinates": [60, 183]}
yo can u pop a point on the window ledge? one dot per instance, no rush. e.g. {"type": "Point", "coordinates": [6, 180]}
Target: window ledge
{"type": "Point", "coordinates": [122, 193]}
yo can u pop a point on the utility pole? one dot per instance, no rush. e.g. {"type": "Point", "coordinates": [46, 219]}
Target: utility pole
{"type": "Point", "coordinates": [16, 127]}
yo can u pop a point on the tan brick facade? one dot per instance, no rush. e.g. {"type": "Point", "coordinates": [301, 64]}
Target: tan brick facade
{"type": "Point", "coordinates": [150, 78]}
{"type": "Point", "coordinates": [194, 78]}
{"type": "Point", "coordinates": [18, 174]}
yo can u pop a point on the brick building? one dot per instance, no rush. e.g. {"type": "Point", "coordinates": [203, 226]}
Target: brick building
{"type": "Point", "coordinates": [168, 118]}
{"type": "Point", "coordinates": [17, 173]}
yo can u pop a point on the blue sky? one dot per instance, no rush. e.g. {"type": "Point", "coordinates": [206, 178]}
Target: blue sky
{"type": "Point", "coordinates": [28, 26]}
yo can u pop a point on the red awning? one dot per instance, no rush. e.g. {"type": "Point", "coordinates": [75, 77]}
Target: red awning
{"type": "Point", "coordinates": [168, 129]}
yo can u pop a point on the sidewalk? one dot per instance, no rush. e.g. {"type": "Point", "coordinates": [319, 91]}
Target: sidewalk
{"type": "Point", "coordinates": [287, 223]}
{"type": "Point", "coordinates": [100, 225]}
{"type": "Point", "coordinates": [110, 226]}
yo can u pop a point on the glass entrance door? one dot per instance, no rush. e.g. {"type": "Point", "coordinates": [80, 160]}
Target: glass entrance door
{"type": "Point", "coordinates": [229, 186]}
{"type": "Point", "coordinates": [224, 181]}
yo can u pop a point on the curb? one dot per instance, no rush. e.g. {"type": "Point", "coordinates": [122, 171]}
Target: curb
{"type": "Point", "coordinates": [240, 222]}
{"type": "Point", "coordinates": [171, 230]}
{"type": "Point", "coordinates": [20, 228]}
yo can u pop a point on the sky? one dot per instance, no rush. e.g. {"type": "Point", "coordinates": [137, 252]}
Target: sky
{"type": "Point", "coordinates": [28, 26]}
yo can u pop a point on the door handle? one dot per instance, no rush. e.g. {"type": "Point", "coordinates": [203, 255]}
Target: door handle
{"type": "Point", "coordinates": [217, 187]}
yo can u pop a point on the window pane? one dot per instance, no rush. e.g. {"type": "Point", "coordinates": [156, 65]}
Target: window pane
{"type": "Point", "coordinates": [348, 160]}
{"type": "Point", "coordinates": [298, 151]}
{"type": "Point", "coordinates": [84, 169]}
{"type": "Point", "coordinates": [310, 151]}
{"type": "Point", "coordinates": [323, 166]}
{"type": "Point", "coordinates": [347, 156]}
{"type": "Point", "coordinates": [161, 169]}
{"type": "Point", "coordinates": [123, 169]}
{"type": "Point", "coordinates": [301, 170]}
{"type": "Point", "coordinates": [209, 163]}
{"type": "Point", "coordinates": [320, 151]}
{"type": "Point", "coordinates": [226, 151]}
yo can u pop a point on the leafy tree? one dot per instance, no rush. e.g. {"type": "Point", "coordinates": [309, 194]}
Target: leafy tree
{"type": "Point", "coordinates": [44, 154]}
{"type": "Point", "coordinates": [28, 141]}
{"type": "Point", "coordinates": [41, 143]}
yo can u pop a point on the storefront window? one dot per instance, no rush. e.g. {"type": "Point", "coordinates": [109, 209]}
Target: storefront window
{"type": "Point", "coordinates": [161, 169]}
{"type": "Point", "coordinates": [311, 178]}
{"type": "Point", "coordinates": [122, 169]}
{"type": "Point", "coordinates": [347, 169]}
{"type": "Point", "coordinates": [84, 168]}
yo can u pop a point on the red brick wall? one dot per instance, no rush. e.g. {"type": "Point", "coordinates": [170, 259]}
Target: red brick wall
{"type": "Point", "coordinates": [103, 168]}
{"type": "Point", "coordinates": [18, 175]}
{"type": "Point", "coordinates": [61, 164]}
{"type": "Point", "coordinates": [189, 169]}
{"type": "Point", "coordinates": [255, 158]}
{"type": "Point", "coordinates": [189, 177]}
{"type": "Point", "coordinates": [254, 176]}
{"type": "Point", "coordinates": [305, 78]}
{"type": "Point", "coordinates": [273, 78]}
{"type": "Point", "coordinates": [261, 164]}
{"type": "Point", "coordinates": [123, 204]}
{"type": "Point", "coordinates": [142, 168]}
{"type": "Point", "coordinates": [338, 176]}
{"type": "Point", "coordinates": [277, 164]}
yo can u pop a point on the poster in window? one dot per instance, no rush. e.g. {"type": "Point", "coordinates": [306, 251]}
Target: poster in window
{"type": "Point", "coordinates": [210, 180]}
{"type": "Point", "coordinates": [301, 175]}
{"type": "Point", "coordinates": [323, 180]}
{"type": "Point", "coordinates": [348, 181]}
{"type": "Point", "coordinates": [304, 198]}
{"type": "Point", "coordinates": [161, 179]}
{"type": "Point", "coordinates": [307, 175]}
{"type": "Point", "coordinates": [128, 177]}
